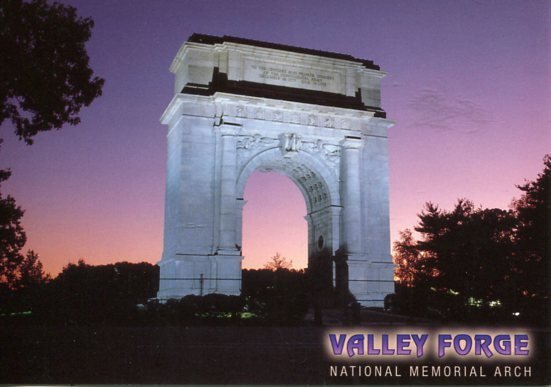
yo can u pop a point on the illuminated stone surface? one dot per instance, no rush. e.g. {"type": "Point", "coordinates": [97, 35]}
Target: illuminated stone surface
{"type": "Point", "coordinates": [241, 106]}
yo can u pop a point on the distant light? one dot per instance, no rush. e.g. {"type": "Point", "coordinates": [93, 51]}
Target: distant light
{"type": "Point", "coordinates": [516, 313]}
{"type": "Point", "coordinates": [494, 304]}
{"type": "Point", "coordinates": [477, 303]}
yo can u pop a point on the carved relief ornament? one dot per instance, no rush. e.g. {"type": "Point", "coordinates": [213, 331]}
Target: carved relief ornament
{"type": "Point", "coordinates": [290, 144]}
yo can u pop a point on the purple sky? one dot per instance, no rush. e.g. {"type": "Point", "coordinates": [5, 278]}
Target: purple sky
{"type": "Point", "coordinates": [468, 85]}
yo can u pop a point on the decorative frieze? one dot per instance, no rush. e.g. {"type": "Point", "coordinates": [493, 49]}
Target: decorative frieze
{"type": "Point", "coordinates": [329, 152]}
{"type": "Point", "coordinates": [255, 141]}
{"type": "Point", "coordinates": [290, 144]}
{"type": "Point", "coordinates": [295, 114]}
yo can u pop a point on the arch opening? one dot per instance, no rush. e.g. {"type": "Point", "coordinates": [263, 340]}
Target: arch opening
{"type": "Point", "coordinates": [322, 215]}
{"type": "Point", "coordinates": [273, 221]}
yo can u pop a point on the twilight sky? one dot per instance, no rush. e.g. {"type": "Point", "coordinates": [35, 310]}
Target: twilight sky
{"type": "Point", "coordinates": [468, 86]}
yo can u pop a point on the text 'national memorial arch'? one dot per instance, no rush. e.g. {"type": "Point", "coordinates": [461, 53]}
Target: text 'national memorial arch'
{"type": "Point", "coordinates": [242, 105]}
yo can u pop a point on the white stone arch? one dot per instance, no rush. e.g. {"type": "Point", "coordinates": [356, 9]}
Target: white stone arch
{"type": "Point", "coordinates": [240, 105]}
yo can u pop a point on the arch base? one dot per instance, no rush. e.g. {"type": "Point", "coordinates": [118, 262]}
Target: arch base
{"type": "Point", "coordinates": [199, 275]}
{"type": "Point", "coordinates": [369, 282]}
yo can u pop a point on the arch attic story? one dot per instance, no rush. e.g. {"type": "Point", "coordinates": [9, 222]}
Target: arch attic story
{"type": "Point", "coordinates": [241, 105]}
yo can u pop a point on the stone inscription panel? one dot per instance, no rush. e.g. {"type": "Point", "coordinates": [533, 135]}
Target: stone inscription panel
{"type": "Point", "coordinates": [293, 76]}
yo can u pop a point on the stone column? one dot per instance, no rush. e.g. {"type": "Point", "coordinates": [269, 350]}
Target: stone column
{"type": "Point", "coordinates": [228, 203]}
{"type": "Point", "coordinates": [352, 257]}
{"type": "Point", "coordinates": [379, 270]}
{"type": "Point", "coordinates": [226, 263]}
{"type": "Point", "coordinates": [351, 238]}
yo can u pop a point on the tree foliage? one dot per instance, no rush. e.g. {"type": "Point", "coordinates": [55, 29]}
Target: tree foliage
{"type": "Point", "coordinates": [411, 268]}
{"type": "Point", "coordinates": [30, 272]}
{"type": "Point", "coordinates": [533, 239]}
{"type": "Point", "coordinates": [17, 271]}
{"type": "Point", "coordinates": [472, 258]}
{"type": "Point", "coordinates": [12, 236]}
{"type": "Point", "coordinates": [465, 250]}
{"type": "Point", "coordinates": [278, 262]}
{"type": "Point", "coordinates": [45, 78]}
{"type": "Point", "coordinates": [84, 293]}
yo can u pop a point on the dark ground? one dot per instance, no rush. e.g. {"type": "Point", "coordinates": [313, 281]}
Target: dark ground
{"type": "Point", "coordinates": [187, 355]}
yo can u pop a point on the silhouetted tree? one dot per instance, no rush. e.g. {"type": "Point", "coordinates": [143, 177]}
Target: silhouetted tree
{"type": "Point", "coordinates": [410, 264]}
{"type": "Point", "coordinates": [17, 271]}
{"type": "Point", "coordinates": [20, 275]}
{"type": "Point", "coordinates": [83, 293]}
{"type": "Point", "coordinates": [278, 262]}
{"type": "Point", "coordinates": [44, 75]}
{"type": "Point", "coordinates": [466, 250]}
{"type": "Point", "coordinates": [30, 272]}
{"type": "Point", "coordinates": [12, 237]}
{"type": "Point", "coordinates": [462, 258]}
{"type": "Point", "coordinates": [533, 244]}
{"type": "Point", "coordinates": [27, 290]}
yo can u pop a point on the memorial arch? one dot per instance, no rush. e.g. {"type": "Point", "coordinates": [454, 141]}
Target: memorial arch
{"type": "Point", "coordinates": [242, 105]}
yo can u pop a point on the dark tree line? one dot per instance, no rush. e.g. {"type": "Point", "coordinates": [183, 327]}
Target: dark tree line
{"type": "Point", "coordinates": [480, 264]}
{"type": "Point", "coordinates": [279, 296]}
{"type": "Point", "coordinates": [83, 294]}
{"type": "Point", "coordinates": [124, 294]}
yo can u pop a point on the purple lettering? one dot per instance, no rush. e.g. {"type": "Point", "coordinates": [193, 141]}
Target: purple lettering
{"type": "Point", "coordinates": [444, 341]}
{"type": "Point", "coordinates": [371, 350]}
{"type": "Point", "coordinates": [386, 349]}
{"type": "Point", "coordinates": [502, 344]}
{"type": "Point", "coordinates": [482, 344]}
{"type": "Point", "coordinates": [521, 345]}
{"type": "Point", "coordinates": [457, 344]}
{"type": "Point", "coordinates": [337, 346]}
{"type": "Point", "coordinates": [356, 342]}
{"type": "Point", "coordinates": [402, 344]}
{"type": "Point", "coordinates": [420, 343]}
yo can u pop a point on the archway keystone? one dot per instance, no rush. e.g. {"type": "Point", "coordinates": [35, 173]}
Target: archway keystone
{"type": "Point", "coordinates": [243, 105]}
